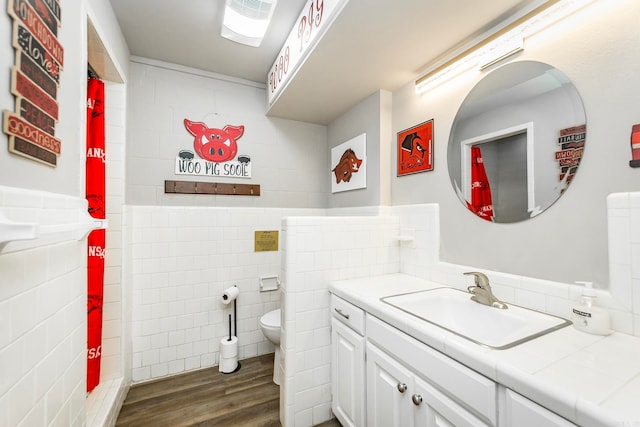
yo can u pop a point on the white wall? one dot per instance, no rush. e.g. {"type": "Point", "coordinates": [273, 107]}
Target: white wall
{"type": "Point", "coordinates": [18, 171]}
{"type": "Point", "coordinates": [315, 251]}
{"type": "Point", "coordinates": [624, 255]}
{"type": "Point", "coordinates": [186, 249]}
{"type": "Point", "coordinates": [598, 50]}
{"type": "Point", "coordinates": [291, 164]}
{"type": "Point", "coordinates": [287, 157]}
{"type": "Point", "coordinates": [182, 259]}
{"type": "Point", "coordinates": [43, 314]}
{"type": "Point", "coordinates": [43, 281]}
{"type": "Point", "coordinates": [372, 117]}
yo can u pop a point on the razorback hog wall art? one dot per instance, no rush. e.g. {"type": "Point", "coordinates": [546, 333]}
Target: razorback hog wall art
{"type": "Point", "coordinates": [349, 165]}
{"type": "Point", "coordinates": [215, 152]}
{"type": "Point", "coordinates": [415, 149]}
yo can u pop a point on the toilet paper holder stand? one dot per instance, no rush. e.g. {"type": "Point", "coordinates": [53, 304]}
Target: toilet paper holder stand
{"type": "Point", "coordinates": [235, 326]}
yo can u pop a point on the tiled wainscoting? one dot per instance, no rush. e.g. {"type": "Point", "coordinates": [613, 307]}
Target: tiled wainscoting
{"type": "Point", "coordinates": [176, 261]}
{"type": "Point", "coordinates": [182, 259]}
{"type": "Point", "coordinates": [43, 311]}
{"type": "Point", "coordinates": [624, 257]}
{"type": "Point", "coordinates": [315, 251]}
{"type": "Point", "coordinates": [622, 297]}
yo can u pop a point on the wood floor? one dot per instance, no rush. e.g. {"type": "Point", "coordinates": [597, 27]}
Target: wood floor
{"type": "Point", "coordinates": [208, 398]}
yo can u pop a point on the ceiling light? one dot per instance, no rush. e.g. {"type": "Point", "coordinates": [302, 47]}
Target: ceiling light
{"type": "Point", "coordinates": [246, 21]}
{"type": "Point", "coordinates": [499, 43]}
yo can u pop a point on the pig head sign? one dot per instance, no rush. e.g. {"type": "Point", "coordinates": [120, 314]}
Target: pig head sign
{"type": "Point", "coordinates": [216, 151]}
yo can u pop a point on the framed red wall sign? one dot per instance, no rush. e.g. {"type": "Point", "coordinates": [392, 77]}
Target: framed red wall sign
{"type": "Point", "coordinates": [415, 149]}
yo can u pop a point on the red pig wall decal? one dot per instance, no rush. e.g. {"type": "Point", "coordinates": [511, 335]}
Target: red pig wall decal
{"type": "Point", "coordinates": [215, 145]}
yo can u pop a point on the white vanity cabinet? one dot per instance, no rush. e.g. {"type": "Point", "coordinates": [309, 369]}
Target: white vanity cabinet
{"type": "Point", "coordinates": [434, 409]}
{"type": "Point", "coordinates": [517, 410]}
{"type": "Point", "coordinates": [396, 397]}
{"type": "Point", "coordinates": [411, 385]}
{"type": "Point", "coordinates": [347, 363]}
{"type": "Point", "coordinates": [389, 391]}
{"type": "Point", "coordinates": [418, 375]}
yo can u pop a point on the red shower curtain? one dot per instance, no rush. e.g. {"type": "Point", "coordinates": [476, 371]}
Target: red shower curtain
{"type": "Point", "coordinates": [481, 203]}
{"type": "Point", "coordinates": [95, 188]}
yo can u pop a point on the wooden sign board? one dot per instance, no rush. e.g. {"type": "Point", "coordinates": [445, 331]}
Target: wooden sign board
{"type": "Point", "coordinates": [35, 78]}
{"type": "Point", "coordinates": [22, 11]}
{"type": "Point", "coordinates": [25, 42]}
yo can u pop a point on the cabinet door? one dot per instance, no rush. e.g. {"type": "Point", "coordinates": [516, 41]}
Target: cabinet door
{"type": "Point", "coordinates": [347, 375]}
{"type": "Point", "coordinates": [434, 409]}
{"type": "Point", "coordinates": [520, 411]}
{"type": "Point", "coordinates": [388, 391]}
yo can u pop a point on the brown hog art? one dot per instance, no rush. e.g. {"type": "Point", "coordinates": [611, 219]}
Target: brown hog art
{"type": "Point", "coordinates": [347, 166]}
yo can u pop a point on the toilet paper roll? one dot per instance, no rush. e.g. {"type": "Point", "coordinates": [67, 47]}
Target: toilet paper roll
{"type": "Point", "coordinates": [230, 294]}
{"type": "Point", "coordinates": [228, 365]}
{"type": "Point", "coordinates": [228, 348]}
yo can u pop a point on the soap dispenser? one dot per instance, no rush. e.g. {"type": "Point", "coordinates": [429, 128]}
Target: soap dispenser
{"type": "Point", "coordinates": [587, 316]}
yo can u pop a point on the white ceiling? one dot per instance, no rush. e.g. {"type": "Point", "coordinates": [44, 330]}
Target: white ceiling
{"type": "Point", "coordinates": [372, 45]}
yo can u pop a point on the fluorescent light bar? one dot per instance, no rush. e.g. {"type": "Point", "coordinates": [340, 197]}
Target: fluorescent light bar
{"type": "Point", "coordinates": [501, 44]}
{"type": "Point", "coordinates": [246, 21]}
{"type": "Point", "coordinates": [502, 48]}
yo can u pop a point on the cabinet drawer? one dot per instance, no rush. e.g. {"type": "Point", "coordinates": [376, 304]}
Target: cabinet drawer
{"type": "Point", "coordinates": [348, 313]}
{"type": "Point", "coordinates": [467, 387]}
{"type": "Point", "coordinates": [520, 411]}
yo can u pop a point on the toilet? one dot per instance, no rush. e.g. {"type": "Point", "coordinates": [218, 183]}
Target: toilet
{"type": "Point", "coordinates": [270, 326]}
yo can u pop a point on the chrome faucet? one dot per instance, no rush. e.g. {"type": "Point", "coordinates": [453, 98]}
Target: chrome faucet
{"type": "Point", "coordinates": [482, 293]}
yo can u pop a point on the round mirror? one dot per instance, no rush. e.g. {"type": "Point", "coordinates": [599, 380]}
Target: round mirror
{"type": "Point", "coordinates": [516, 142]}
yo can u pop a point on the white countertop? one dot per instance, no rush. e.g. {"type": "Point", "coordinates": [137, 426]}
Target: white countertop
{"type": "Point", "coordinates": [591, 380]}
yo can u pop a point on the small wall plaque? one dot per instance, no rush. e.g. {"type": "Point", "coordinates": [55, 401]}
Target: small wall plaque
{"type": "Point", "coordinates": [265, 241]}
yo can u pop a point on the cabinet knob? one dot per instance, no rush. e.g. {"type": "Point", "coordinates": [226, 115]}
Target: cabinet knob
{"type": "Point", "coordinates": [402, 387]}
{"type": "Point", "coordinates": [417, 399]}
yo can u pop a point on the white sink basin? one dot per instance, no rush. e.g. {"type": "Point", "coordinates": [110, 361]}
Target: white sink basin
{"type": "Point", "coordinates": [453, 310]}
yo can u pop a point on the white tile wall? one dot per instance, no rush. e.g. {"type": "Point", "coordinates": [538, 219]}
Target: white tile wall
{"type": "Point", "coordinates": [162, 95]}
{"type": "Point", "coordinates": [317, 250]}
{"type": "Point", "coordinates": [624, 254]}
{"type": "Point", "coordinates": [420, 257]}
{"type": "Point", "coordinates": [182, 258]}
{"type": "Point", "coordinates": [420, 251]}
{"type": "Point", "coordinates": [42, 315]}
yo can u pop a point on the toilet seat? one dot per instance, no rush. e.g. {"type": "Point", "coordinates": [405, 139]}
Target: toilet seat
{"type": "Point", "coordinates": [271, 319]}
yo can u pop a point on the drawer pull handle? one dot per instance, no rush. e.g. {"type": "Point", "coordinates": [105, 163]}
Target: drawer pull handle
{"type": "Point", "coordinates": [402, 387]}
{"type": "Point", "coordinates": [339, 311]}
{"type": "Point", "coordinates": [417, 399]}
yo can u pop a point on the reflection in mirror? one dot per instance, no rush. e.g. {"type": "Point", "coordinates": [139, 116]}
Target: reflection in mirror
{"type": "Point", "coordinates": [516, 142]}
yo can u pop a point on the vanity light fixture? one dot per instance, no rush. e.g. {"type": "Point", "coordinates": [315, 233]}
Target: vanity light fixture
{"type": "Point", "coordinates": [246, 21]}
{"type": "Point", "coordinates": [499, 43]}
